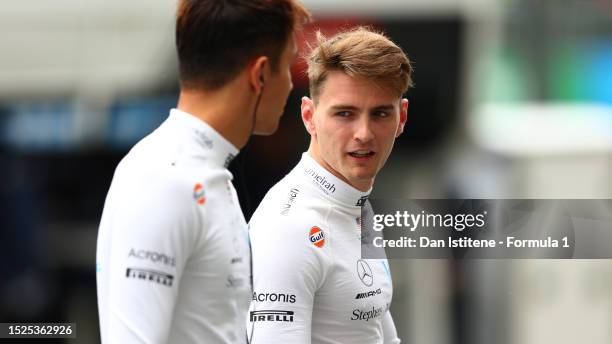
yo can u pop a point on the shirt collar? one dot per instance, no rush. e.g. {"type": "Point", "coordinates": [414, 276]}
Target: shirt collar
{"type": "Point", "coordinates": [218, 148]}
{"type": "Point", "coordinates": [329, 185]}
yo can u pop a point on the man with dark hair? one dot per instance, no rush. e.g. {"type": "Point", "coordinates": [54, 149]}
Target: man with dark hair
{"type": "Point", "coordinates": [173, 262]}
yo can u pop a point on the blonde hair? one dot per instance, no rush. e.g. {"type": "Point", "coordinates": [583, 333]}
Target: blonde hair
{"type": "Point", "coordinates": [359, 52]}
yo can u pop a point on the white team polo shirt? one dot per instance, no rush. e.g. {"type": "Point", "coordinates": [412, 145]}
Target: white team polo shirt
{"type": "Point", "coordinates": [310, 283]}
{"type": "Point", "coordinates": [173, 260]}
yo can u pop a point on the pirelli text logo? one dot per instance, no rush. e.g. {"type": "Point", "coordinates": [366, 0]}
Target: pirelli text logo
{"type": "Point", "coordinates": [150, 275]}
{"type": "Point", "coordinates": [271, 315]}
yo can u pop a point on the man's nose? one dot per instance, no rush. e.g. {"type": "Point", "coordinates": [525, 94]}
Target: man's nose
{"type": "Point", "coordinates": [363, 130]}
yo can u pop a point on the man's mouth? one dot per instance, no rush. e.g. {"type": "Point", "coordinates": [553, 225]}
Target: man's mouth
{"type": "Point", "coordinates": [361, 153]}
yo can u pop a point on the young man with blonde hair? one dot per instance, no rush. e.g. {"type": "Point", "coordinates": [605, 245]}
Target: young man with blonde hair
{"type": "Point", "coordinates": [310, 283]}
{"type": "Point", "coordinates": [173, 262]}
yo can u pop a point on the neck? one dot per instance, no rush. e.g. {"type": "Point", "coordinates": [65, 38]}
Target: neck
{"type": "Point", "coordinates": [221, 111]}
{"type": "Point", "coordinates": [361, 185]}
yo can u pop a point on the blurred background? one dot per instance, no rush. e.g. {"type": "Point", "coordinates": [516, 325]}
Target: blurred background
{"type": "Point", "coordinates": [513, 99]}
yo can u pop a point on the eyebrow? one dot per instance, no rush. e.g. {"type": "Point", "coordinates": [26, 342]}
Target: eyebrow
{"type": "Point", "coordinates": [343, 107]}
{"type": "Point", "coordinates": [338, 107]}
{"type": "Point", "coordinates": [387, 107]}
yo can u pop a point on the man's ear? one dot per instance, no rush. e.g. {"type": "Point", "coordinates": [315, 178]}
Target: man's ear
{"type": "Point", "coordinates": [307, 109]}
{"type": "Point", "coordinates": [403, 117]}
{"type": "Point", "coordinates": [257, 73]}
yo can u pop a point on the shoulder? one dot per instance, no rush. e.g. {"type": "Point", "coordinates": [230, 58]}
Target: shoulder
{"type": "Point", "coordinates": [294, 246]}
{"type": "Point", "coordinates": [169, 193]}
{"type": "Point", "coordinates": [289, 200]}
{"type": "Point", "coordinates": [287, 218]}
{"type": "Point", "coordinates": [289, 236]}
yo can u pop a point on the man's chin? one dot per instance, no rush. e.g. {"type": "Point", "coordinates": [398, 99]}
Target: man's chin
{"type": "Point", "coordinates": [363, 172]}
{"type": "Point", "coordinates": [362, 177]}
{"type": "Point", "coordinates": [266, 130]}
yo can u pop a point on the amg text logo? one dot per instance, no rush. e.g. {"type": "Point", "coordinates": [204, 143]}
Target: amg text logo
{"type": "Point", "coordinates": [368, 294]}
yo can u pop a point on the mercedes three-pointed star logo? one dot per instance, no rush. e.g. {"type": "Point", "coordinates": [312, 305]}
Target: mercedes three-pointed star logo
{"type": "Point", "coordinates": [364, 272]}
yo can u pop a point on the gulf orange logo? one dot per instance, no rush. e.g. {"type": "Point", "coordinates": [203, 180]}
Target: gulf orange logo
{"type": "Point", "coordinates": [198, 194]}
{"type": "Point", "coordinates": [316, 236]}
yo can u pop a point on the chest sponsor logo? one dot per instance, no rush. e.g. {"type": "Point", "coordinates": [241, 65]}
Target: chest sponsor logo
{"type": "Point", "coordinates": [368, 294]}
{"type": "Point", "coordinates": [364, 272]}
{"type": "Point", "coordinates": [153, 256]}
{"type": "Point", "coordinates": [316, 236]}
{"type": "Point", "coordinates": [320, 180]}
{"type": "Point", "coordinates": [293, 193]}
{"type": "Point", "coordinates": [234, 282]}
{"type": "Point", "coordinates": [273, 297]}
{"type": "Point", "coordinates": [150, 275]}
{"type": "Point", "coordinates": [359, 314]}
{"type": "Point", "coordinates": [198, 194]}
{"type": "Point", "coordinates": [361, 202]}
{"type": "Point", "coordinates": [271, 315]}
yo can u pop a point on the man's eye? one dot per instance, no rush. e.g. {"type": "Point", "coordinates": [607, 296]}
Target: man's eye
{"type": "Point", "coordinates": [381, 114]}
{"type": "Point", "coordinates": [343, 113]}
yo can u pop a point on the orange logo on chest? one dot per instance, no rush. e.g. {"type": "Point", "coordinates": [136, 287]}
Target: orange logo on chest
{"type": "Point", "coordinates": [316, 236]}
{"type": "Point", "coordinates": [198, 194]}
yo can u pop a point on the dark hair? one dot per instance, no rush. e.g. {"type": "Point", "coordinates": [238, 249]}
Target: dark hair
{"type": "Point", "coordinates": [215, 39]}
